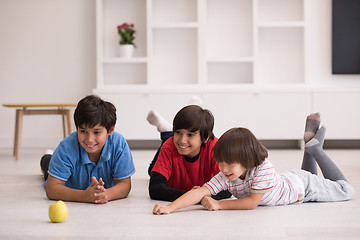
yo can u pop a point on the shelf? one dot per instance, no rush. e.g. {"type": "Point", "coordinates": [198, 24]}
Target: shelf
{"type": "Point", "coordinates": [280, 24]}
{"type": "Point", "coordinates": [174, 11]}
{"type": "Point", "coordinates": [230, 59]}
{"type": "Point", "coordinates": [229, 28]}
{"type": "Point", "coordinates": [230, 73]}
{"type": "Point", "coordinates": [124, 73]}
{"type": "Point", "coordinates": [125, 60]}
{"type": "Point", "coordinates": [280, 57]}
{"type": "Point", "coordinates": [220, 88]}
{"type": "Point", "coordinates": [280, 10]}
{"type": "Point", "coordinates": [171, 49]}
{"type": "Point", "coordinates": [175, 25]}
{"type": "Point", "coordinates": [114, 13]}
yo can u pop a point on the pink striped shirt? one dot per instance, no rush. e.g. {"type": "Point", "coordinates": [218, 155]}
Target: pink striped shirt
{"type": "Point", "coordinates": [278, 189]}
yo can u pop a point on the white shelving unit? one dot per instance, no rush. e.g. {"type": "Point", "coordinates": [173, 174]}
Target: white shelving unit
{"type": "Point", "coordinates": [199, 43]}
{"type": "Point", "coordinates": [244, 58]}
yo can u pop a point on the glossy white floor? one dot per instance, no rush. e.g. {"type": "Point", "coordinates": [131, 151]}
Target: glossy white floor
{"type": "Point", "coordinates": [24, 209]}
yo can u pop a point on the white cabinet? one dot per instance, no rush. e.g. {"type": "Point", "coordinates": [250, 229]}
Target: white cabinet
{"type": "Point", "coordinates": [340, 113]}
{"type": "Point", "coordinates": [132, 109]}
{"type": "Point", "coordinates": [269, 115]}
{"type": "Point", "coordinates": [244, 58]}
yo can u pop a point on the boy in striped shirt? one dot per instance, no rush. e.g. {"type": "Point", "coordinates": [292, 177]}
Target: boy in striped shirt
{"type": "Point", "coordinates": [246, 172]}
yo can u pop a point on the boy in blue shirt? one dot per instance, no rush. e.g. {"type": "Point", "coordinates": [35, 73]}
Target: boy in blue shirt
{"type": "Point", "coordinates": [93, 164]}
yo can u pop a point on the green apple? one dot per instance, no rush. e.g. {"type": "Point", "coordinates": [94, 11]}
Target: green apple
{"type": "Point", "coordinates": [58, 211]}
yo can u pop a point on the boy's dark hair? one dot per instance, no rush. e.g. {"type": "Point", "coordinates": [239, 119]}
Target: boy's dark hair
{"type": "Point", "coordinates": [194, 118]}
{"type": "Point", "coordinates": [239, 145]}
{"type": "Point", "coordinates": [92, 110]}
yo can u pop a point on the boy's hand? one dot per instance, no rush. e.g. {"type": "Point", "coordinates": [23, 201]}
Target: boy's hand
{"type": "Point", "coordinates": [210, 204]}
{"type": "Point", "coordinates": [161, 209]}
{"type": "Point", "coordinates": [96, 193]}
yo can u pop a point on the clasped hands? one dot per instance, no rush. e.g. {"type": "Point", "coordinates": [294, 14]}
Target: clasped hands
{"type": "Point", "coordinates": [96, 192]}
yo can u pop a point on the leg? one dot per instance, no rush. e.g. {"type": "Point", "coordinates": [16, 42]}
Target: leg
{"type": "Point", "coordinates": [315, 148]}
{"type": "Point", "coordinates": [158, 121]}
{"type": "Point", "coordinates": [311, 127]}
{"type": "Point", "coordinates": [164, 136]}
{"type": "Point", "coordinates": [319, 189]}
{"type": "Point", "coordinates": [161, 123]}
{"type": "Point", "coordinates": [44, 164]}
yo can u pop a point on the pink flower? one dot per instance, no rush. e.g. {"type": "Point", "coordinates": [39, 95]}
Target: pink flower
{"type": "Point", "coordinates": [126, 32]}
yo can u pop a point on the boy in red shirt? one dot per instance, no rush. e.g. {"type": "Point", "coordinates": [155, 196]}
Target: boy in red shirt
{"type": "Point", "coordinates": [185, 158]}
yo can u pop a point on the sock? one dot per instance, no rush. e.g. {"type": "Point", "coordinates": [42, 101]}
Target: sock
{"type": "Point", "coordinates": [158, 121]}
{"type": "Point", "coordinates": [314, 147]}
{"type": "Point", "coordinates": [195, 100]}
{"type": "Point", "coordinates": [311, 126]}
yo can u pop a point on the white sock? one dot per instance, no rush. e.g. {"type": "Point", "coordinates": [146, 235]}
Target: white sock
{"type": "Point", "coordinates": [195, 100]}
{"type": "Point", "coordinates": [158, 121]}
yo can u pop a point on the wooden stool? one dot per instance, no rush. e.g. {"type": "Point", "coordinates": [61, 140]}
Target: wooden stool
{"type": "Point", "coordinates": [60, 109]}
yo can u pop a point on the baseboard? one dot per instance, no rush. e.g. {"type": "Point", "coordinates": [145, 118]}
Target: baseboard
{"type": "Point", "coordinates": [270, 144]}
{"type": "Point", "coordinates": [144, 144]}
{"type": "Point", "coordinates": [154, 144]}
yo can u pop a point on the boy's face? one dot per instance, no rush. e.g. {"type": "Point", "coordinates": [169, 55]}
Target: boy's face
{"type": "Point", "coordinates": [232, 171]}
{"type": "Point", "coordinates": [93, 140]}
{"type": "Point", "coordinates": [187, 143]}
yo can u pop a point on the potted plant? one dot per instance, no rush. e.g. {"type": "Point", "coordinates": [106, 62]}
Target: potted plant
{"type": "Point", "coordinates": [126, 32]}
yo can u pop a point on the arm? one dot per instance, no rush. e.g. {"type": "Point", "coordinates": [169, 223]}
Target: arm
{"type": "Point", "coordinates": [95, 193]}
{"type": "Point", "coordinates": [56, 190]}
{"type": "Point", "coordinates": [189, 198]}
{"type": "Point", "coordinates": [121, 189]}
{"type": "Point", "coordinates": [159, 190]}
{"type": "Point", "coordinates": [246, 203]}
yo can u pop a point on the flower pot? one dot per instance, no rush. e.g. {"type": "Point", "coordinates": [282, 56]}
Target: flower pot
{"type": "Point", "coordinates": [126, 50]}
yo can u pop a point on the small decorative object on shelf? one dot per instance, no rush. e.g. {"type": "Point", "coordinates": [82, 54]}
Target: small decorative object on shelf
{"type": "Point", "coordinates": [126, 32]}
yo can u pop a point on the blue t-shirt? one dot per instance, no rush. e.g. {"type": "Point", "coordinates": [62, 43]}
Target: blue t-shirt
{"type": "Point", "coordinates": [70, 162]}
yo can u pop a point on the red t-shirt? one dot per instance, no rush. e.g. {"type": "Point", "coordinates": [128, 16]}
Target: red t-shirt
{"type": "Point", "coordinates": [184, 175]}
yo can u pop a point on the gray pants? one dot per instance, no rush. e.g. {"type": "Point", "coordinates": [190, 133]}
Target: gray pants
{"type": "Point", "coordinates": [319, 189]}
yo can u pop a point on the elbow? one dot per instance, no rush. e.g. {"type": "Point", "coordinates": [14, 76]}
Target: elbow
{"type": "Point", "coordinates": [127, 191]}
{"type": "Point", "coordinates": [52, 192]}
{"type": "Point", "coordinates": [251, 206]}
{"type": "Point", "coordinates": [153, 193]}
{"type": "Point", "coordinates": [50, 195]}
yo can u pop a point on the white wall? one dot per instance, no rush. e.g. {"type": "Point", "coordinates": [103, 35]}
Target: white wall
{"type": "Point", "coordinates": [47, 54]}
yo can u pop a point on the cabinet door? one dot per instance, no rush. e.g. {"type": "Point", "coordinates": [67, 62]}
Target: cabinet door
{"type": "Point", "coordinates": [339, 113]}
{"type": "Point", "coordinates": [268, 115]}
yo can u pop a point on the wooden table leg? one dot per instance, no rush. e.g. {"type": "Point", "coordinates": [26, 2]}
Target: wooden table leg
{"type": "Point", "coordinates": [18, 132]}
{"type": "Point", "coordinates": [66, 122]}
